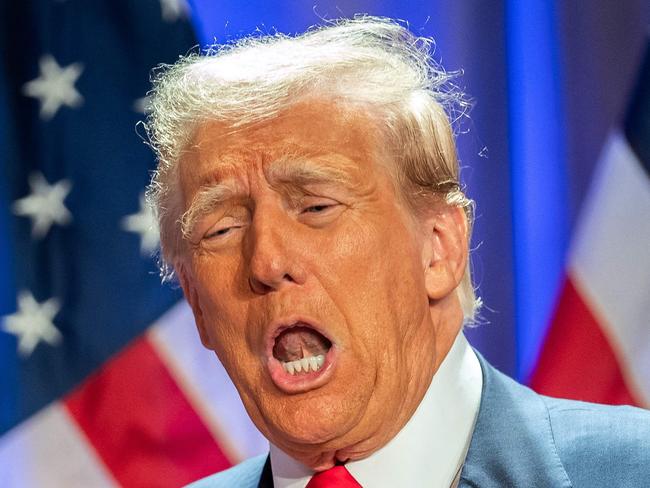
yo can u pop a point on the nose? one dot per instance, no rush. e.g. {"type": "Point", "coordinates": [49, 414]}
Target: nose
{"type": "Point", "coordinates": [274, 253]}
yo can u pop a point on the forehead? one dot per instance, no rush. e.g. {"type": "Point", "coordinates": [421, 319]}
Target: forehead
{"type": "Point", "coordinates": [322, 132]}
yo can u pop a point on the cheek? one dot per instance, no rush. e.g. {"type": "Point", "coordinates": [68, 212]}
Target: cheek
{"type": "Point", "coordinates": [381, 254]}
{"type": "Point", "coordinates": [376, 277]}
{"type": "Point", "coordinates": [224, 315]}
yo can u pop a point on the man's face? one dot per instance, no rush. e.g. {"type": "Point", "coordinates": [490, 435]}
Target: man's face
{"type": "Point", "coordinates": [299, 247]}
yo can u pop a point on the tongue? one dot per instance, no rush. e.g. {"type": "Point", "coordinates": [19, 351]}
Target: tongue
{"type": "Point", "coordinates": [298, 342]}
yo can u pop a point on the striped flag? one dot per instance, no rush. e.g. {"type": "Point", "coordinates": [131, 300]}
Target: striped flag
{"type": "Point", "coordinates": [598, 346]}
{"type": "Point", "coordinates": [103, 380]}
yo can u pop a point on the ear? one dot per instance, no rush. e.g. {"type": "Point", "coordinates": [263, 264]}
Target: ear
{"type": "Point", "coordinates": [445, 250]}
{"type": "Point", "coordinates": [192, 297]}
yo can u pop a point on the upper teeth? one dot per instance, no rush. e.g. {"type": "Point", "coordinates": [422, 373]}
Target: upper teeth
{"type": "Point", "coordinates": [304, 365]}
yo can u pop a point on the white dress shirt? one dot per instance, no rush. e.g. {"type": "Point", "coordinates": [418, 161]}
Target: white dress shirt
{"type": "Point", "coordinates": [431, 448]}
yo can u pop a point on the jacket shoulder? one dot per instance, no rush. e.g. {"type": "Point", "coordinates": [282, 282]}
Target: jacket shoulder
{"type": "Point", "coordinates": [525, 439]}
{"type": "Point", "coordinates": [601, 445]}
{"type": "Point", "coordinates": [245, 475]}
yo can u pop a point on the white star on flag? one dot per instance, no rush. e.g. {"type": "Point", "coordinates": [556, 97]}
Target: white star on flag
{"type": "Point", "coordinates": [144, 223]}
{"type": "Point", "coordinates": [173, 10]}
{"type": "Point", "coordinates": [54, 86]}
{"type": "Point", "coordinates": [44, 205]}
{"type": "Point", "coordinates": [32, 323]}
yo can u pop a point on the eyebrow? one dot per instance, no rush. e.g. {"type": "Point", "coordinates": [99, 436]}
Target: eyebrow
{"type": "Point", "coordinates": [206, 199]}
{"type": "Point", "coordinates": [286, 170]}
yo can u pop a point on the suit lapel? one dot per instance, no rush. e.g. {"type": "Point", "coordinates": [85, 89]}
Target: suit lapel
{"type": "Point", "coordinates": [512, 444]}
{"type": "Point", "coordinates": [266, 479]}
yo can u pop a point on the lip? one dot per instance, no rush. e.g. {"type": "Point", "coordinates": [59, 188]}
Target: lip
{"type": "Point", "coordinates": [301, 382]}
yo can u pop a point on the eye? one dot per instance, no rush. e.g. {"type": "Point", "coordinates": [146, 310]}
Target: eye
{"type": "Point", "coordinates": [319, 211]}
{"type": "Point", "coordinates": [221, 232]}
{"type": "Point", "coordinates": [222, 229]}
{"type": "Point", "coordinates": [318, 208]}
{"type": "Point", "coordinates": [316, 204]}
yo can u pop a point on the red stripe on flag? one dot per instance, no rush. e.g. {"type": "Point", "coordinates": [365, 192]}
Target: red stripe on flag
{"type": "Point", "coordinates": [141, 424]}
{"type": "Point", "coordinates": [577, 360]}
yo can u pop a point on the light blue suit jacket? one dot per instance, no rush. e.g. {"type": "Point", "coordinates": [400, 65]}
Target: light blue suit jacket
{"type": "Point", "coordinates": [522, 439]}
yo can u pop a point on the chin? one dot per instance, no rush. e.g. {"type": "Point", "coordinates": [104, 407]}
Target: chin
{"type": "Point", "coordinates": [312, 424]}
{"type": "Point", "coordinates": [315, 430]}
{"type": "Point", "coordinates": [321, 457]}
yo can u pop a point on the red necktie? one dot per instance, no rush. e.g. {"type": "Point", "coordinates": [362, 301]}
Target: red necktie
{"type": "Point", "coordinates": [336, 477]}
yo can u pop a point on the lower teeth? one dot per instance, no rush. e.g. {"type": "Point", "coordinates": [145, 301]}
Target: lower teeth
{"type": "Point", "coordinates": [304, 365]}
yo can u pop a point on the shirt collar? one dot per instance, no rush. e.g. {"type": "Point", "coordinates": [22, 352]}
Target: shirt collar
{"type": "Point", "coordinates": [431, 447]}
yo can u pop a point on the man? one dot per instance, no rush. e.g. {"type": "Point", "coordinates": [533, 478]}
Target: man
{"type": "Point", "coordinates": [309, 203]}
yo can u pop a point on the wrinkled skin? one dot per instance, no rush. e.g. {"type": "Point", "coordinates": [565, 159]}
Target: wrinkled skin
{"type": "Point", "coordinates": [348, 254]}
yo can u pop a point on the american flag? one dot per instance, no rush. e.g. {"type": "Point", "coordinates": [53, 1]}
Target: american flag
{"type": "Point", "coordinates": [104, 381]}
{"type": "Point", "coordinates": [598, 345]}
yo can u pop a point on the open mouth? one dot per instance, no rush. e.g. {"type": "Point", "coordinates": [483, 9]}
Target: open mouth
{"type": "Point", "coordinates": [300, 357]}
{"type": "Point", "coordinates": [301, 349]}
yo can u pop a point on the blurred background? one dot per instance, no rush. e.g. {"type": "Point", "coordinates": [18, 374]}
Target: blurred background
{"type": "Point", "coordinates": [102, 380]}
